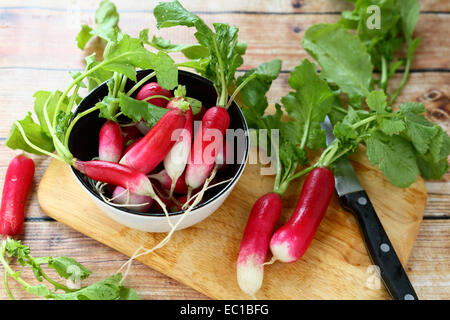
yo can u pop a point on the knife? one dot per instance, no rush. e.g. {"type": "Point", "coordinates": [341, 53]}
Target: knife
{"type": "Point", "coordinates": [354, 199]}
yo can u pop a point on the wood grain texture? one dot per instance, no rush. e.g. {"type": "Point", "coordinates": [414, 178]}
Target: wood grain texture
{"type": "Point", "coordinates": [427, 266]}
{"type": "Point", "coordinates": [204, 256]}
{"type": "Point", "coordinates": [42, 65]}
{"type": "Point", "coordinates": [277, 6]}
{"type": "Point", "coordinates": [268, 36]}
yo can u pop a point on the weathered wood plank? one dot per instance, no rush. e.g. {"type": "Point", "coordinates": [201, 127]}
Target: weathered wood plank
{"type": "Point", "coordinates": [427, 266]}
{"type": "Point", "coordinates": [29, 37]}
{"type": "Point", "coordinates": [279, 6]}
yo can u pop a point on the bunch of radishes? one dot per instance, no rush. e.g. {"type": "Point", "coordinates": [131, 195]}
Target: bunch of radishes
{"type": "Point", "coordinates": [165, 153]}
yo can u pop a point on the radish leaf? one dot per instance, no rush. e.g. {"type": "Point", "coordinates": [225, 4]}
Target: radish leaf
{"type": "Point", "coordinates": [138, 110]}
{"type": "Point", "coordinates": [343, 58]}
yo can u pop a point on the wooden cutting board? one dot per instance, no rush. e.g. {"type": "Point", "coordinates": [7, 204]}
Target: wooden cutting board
{"type": "Point", "coordinates": [336, 265]}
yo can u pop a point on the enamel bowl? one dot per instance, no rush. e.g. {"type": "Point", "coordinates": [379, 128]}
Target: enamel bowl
{"type": "Point", "coordinates": [83, 144]}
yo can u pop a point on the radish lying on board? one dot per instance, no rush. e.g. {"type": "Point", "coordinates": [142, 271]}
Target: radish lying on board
{"type": "Point", "coordinates": [290, 242]}
{"type": "Point", "coordinates": [255, 242]}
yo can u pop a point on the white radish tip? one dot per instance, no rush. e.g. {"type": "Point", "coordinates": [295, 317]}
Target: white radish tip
{"type": "Point", "coordinates": [250, 275]}
{"type": "Point", "coordinates": [281, 251]}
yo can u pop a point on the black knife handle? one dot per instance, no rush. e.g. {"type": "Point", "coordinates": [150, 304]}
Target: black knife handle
{"type": "Point", "coordinates": [380, 248]}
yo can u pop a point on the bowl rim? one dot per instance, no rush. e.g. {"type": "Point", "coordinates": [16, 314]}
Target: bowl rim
{"type": "Point", "coordinates": [229, 185]}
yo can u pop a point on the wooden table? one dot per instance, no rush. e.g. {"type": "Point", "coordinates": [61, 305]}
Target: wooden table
{"type": "Point", "coordinates": [37, 49]}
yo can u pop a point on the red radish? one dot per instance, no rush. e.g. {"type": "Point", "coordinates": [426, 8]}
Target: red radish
{"type": "Point", "coordinates": [18, 179]}
{"type": "Point", "coordinates": [154, 89]}
{"type": "Point", "coordinates": [117, 174]}
{"type": "Point", "coordinates": [110, 142]}
{"type": "Point", "coordinates": [178, 206]}
{"type": "Point", "coordinates": [177, 158]}
{"type": "Point", "coordinates": [138, 203]}
{"type": "Point", "coordinates": [131, 145]}
{"type": "Point", "coordinates": [154, 146]}
{"type": "Point", "coordinates": [255, 242]}
{"type": "Point", "coordinates": [208, 140]}
{"type": "Point", "coordinates": [143, 127]}
{"type": "Point", "coordinates": [148, 90]}
{"type": "Point", "coordinates": [164, 198]}
{"type": "Point", "coordinates": [200, 114]}
{"type": "Point", "coordinates": [290, 242]}
{"type": "Point", "coordinates": [223, 155]}
{"type": "Point", "coordinates": [130, 133]}
{"type": "Point", "coordinates": [163, 178]}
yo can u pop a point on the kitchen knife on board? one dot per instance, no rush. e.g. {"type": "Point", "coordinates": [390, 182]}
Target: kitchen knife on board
{"type": "Point", "coordinates": [354, 199]}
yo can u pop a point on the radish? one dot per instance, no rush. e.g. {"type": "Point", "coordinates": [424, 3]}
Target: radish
{"type": "Point", "coordinates": [154, 146]}
{"type": "Point", "coordinates": [175, 161]}
{"type": "Point", "coordinates": [255, 242]}
{"type": "Point", "coordinates": [163, 178]}
{"type": "Point", "coordinates": [17, 183]}
{"type": "Point", "coordinates": [222, 156]}
{"type": "Point", "coordinates": [178, 203]}
{"type": "Point", "coordinates": [110, 142]}
{"type": "Point", "coordinates": [131, 201]}
{"type": "Point", "coordinates": [290, 242]}
{"type": "Point", "coordinates": [120, 175]}
{"type": "Point", "coordinates": [208, 140]}
{"type": "Point", "coordinates": [200, 114]}
{"type": "Point", "coordinates": [154, 89]}
{"type": "Point", "coordinates": [130, 133]}
{"type": "Point", "coordinates": [147, 91]}
{"type": "Point", "coordinates": [131, 145]}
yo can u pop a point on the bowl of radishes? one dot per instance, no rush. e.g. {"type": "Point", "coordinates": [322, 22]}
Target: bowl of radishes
{"type": "Point", "coordinates": [174, 205]}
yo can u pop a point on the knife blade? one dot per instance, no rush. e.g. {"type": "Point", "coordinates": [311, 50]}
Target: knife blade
{"type": "Point", "coordinates": [354, 199]}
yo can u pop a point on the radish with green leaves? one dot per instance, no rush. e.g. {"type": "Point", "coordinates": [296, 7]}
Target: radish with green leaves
{"type": "Point", "coordinates": [110, 143]}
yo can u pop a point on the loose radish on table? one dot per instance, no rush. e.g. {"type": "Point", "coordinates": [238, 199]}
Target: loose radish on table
{"type": "Point", "coordinates": [177, 158]}
{"type": "Point", "coordinates": [255, 242]}
{"type": "Point", "coordinates": [154, 146]}
{"type": "Point", "coordinates": [110, 144]}
{"type": "Point", "coordinates": [130, 200]}
{"type": "Point", "coordinates": [167, 182]}
{"type": "Point", "coordinates": [17, 183]}
{"type": "Point", "coordinates": [290, 242]}
{"type": "Point", "coordinates": [207, 143]}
